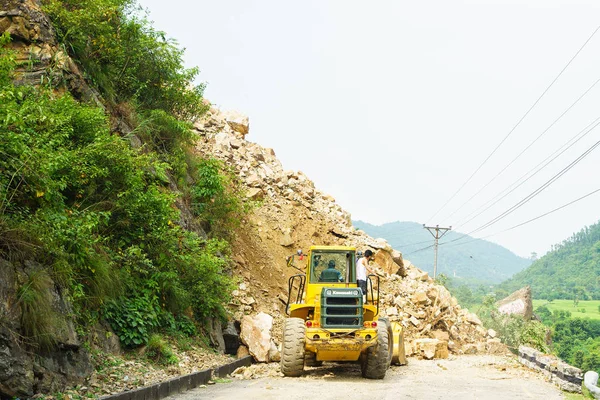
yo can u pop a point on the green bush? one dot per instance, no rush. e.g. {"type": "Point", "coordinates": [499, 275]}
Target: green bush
{"type": "Point", "coordinates": [133, 318]}
{"type": "Point", "coordinates": [99, 214]}
{"type": "Point", "coordinates": [217, 197]}
{"type": "Point", "coordinates": [159, 351]}
{"type": "Point", "coordinates": [514, 331]}
{"type": "Point", "coordinates": [127, 59]}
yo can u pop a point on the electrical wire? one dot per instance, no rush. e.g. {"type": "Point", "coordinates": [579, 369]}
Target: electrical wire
{"type": "Point", "coordinates": [538, 190]}
{"type": "Point", "coordinates": [528, 221]}
{"type": "Point", "coordinates": [519, 182]}
{"type": "Point", "coordinates": [517, 124]}
{"type": "Point", "coordinates": [526, 148]}
{"type": "Point", "coordinates": [532, 194]}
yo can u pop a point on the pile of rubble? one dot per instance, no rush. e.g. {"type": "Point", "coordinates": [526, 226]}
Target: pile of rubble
{"type": "Point", "coordinates": [288, 197]}
{"type": "Point", "coordinates": [434, 322]}
{"type": "Point", "coordinates": [294, 214]}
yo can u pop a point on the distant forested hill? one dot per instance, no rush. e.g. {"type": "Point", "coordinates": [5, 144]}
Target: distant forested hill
{"type": "Point", "coordinates": [474, 262]}
{"type": "Point", "coordinates": [571, 269]}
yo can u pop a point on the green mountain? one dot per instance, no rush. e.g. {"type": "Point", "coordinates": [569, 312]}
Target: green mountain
{"type": "Point", "coordinates": [473, 261]}
{"type": "Point", "coordinates": [570, 270]}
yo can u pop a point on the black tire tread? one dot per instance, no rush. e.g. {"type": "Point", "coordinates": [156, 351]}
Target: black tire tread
{"type": "Point", "coordinates": [310, 360]}
{"type": "Point", "coordinates": [292, 354]}
{"type": "Point", "coordinates": [377, 358]}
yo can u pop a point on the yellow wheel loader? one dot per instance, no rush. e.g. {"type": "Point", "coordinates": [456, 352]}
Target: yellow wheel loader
{"type": "Point", "coordinates": [331, 320]}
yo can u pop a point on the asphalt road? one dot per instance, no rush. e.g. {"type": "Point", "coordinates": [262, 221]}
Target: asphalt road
{"type": "Point", "coordinates": [460, 378]}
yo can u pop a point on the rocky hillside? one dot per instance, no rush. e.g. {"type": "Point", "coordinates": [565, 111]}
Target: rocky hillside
{"type": "Point", "coordinates": [292, 214]}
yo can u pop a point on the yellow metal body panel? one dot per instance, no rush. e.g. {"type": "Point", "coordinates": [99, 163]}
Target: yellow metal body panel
{"type": "Point", "coordinates": [398, 354]}
{"type": "Point", "coordinates": [345, 347]}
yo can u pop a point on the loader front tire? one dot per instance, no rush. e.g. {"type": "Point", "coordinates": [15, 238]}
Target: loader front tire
{"type": "Point", "coordinates": [292, 354]}
{"type": "Point", "coordinates": [376, 359]}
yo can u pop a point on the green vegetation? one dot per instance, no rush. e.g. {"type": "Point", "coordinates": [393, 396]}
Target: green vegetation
{"type": "Point", "coordinates": [473, 263]}
{"type": "Point", "coordinates": [159, 351]}
{"type": "Point", "coordinates": [512, 330]}
{"type": "Point", "coordinates": [570, 271]}
{"type": "Point", "coordinates": [98, 218]}
{"type": "Point", "coordinates": [575, 340]}
{"type": "Point", "coordinates": [582, 309]}
{"type": "Point", "coordinates": [124, 57]}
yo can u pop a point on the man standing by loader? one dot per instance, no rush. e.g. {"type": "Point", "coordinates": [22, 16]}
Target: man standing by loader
{"type": "Point", "coordinates": [362, 267]}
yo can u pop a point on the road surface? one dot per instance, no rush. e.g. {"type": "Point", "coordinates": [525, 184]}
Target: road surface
{"type": "Point", "coordinates": [460, 378]}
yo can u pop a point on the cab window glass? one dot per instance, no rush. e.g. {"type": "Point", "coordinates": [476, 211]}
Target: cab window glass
{"type": "Point", "coordinates": [332, 267]}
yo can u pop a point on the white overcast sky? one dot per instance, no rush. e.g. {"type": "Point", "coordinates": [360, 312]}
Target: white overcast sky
{"type": "Point", "coordinates": [390, 106]}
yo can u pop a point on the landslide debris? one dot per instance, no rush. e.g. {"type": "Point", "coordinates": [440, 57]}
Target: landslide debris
{"type": "Point", "coordinates": [293, 214]}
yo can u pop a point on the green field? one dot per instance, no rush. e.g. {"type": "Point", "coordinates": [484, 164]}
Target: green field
{"type": "Point", "coordinates": [584, 309]}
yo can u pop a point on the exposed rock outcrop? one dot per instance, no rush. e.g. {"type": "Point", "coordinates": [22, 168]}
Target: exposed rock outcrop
{"type": "Point", "coordinates": [22, 373]}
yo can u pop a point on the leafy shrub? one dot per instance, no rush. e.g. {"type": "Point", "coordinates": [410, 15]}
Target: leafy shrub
{"type": "Point", "coordinates": [217, 197]}
{"type": "Point", "coordinates": [186, 326]}
{"type": "Point", "coordinates": [158, 350]}
{"type": "Point", "coordinates": [514, 331]}
{"type": "Point", "coordinates": [133, 318]}
{"type": "Point", "coordinates": [100, 214]}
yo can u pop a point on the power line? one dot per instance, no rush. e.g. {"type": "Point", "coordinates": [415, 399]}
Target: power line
{"type": "Point", "coordinates": [519, 182]}
{"type": "Point", "coordinates": [538, 190]}
{"type": "Point", "coordinates": [528, 221]}
{"type": "Point", "coordinates": [526, 148]}
{"type": "Point", "coordinates": [517, 124]}
{"type": "Point", "coordinates": [418, 250]}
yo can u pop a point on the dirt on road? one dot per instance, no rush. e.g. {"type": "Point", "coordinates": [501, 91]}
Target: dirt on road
{"type": "Point", "coordinates": [461, 378]}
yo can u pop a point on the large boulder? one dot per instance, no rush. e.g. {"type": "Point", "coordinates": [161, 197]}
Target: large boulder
{"type": "Point", "coordinates": [397, 257]}
{"type": "Point", "coordinates": [238, 122]}
{"type": "Point", "coordinates": [590, 383]}
{"type": "Point", "coordinates": [431, 348]}
{"type": "Point", "coordinates": [256, 334]}
{"type": "Point", "coordinates": [518, 303]}
{"type": "Point", "coordinates": [385, 261]}
{"type": "Point", "coordinates": [231, 336]}
{"type": "Point", "coordinates": [215, 334]}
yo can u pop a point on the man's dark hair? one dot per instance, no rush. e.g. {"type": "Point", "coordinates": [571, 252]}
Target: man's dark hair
{"type": "Point", "coordinates": [368, 253]}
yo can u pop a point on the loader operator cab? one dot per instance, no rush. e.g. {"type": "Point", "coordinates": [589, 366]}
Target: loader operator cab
{"type": "Point", "coordinates": [332, 266]}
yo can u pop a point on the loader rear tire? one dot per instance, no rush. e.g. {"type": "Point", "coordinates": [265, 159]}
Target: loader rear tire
{"type": "Point", "coordinates": [310, 360]}
{"type": "Point", "coordinates": [292, 354]}
{"type": "Point", "coordinates": [376, 360]}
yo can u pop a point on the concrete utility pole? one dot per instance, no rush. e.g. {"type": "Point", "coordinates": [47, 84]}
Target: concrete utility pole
{"type": "Point", "coordinates": [437, 236]}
